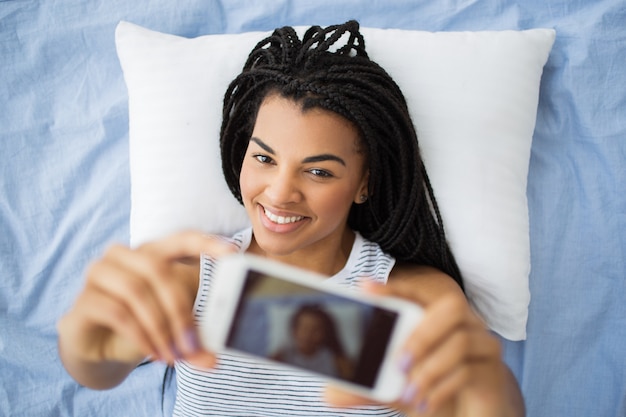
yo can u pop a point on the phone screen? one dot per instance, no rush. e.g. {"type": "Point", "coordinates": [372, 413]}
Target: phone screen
{"type": "Point", "coordinates": [311, 329]}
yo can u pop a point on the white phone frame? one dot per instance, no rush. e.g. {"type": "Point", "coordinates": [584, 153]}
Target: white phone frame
{"type": "Point", "coordinates": [226, 290]}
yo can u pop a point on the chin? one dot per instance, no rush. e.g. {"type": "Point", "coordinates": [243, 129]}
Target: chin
{"type": "Point", "coordinates": [278, 239]}
{"type": "Point", "coordinates": [274, 246]}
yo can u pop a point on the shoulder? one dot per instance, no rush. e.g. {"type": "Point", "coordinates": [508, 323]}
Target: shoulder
{"type": "Point", "coordinates": [431, 283]}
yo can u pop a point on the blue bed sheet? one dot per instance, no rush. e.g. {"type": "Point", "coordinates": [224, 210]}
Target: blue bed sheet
{"type": "Point", "coordinates": [64, 185]}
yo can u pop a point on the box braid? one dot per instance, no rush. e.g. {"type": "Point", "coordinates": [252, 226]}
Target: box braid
{"type": "Point", "coordinates": [401, 213]}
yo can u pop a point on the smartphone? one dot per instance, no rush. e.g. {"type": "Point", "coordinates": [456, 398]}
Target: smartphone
{"type": "Point", "coordinates": [293, 317]}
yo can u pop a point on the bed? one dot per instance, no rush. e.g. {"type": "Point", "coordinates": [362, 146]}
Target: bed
{"type": "Point", "coordinates": [66, 188]}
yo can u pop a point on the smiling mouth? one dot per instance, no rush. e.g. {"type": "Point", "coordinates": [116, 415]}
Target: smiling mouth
{"type": "Point", "coordinates": [281, 219]}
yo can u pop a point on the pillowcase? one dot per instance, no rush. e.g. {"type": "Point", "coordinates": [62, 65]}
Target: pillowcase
{"type": "Point", "coordinates": [473, 97]}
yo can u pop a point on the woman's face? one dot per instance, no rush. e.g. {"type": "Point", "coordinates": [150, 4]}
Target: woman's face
{"type": "Point", "coordinates": [309, 333]}
{"type": "Point", "coordinates": [301, 173]}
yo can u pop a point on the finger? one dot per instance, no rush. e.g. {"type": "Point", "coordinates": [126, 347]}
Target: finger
{"type": "Point", "coordinates": [178, 311]}
{"type": "Point", "coordinates": [454, 353]}
{"type": "Point", "coordinates": [164, 280]}
{"type": "Point", "coordinates": [445, 390]}
{"type": "Point", "coordinates": [136, 293]}
{"type": "Point", "coordinates": [439, 321]}
{"type": "Point", "coordinates": [338, 397]}
{"type": "Point", "coordinates": [397, 288]}
{"type": "Point", "coordinates": [189, 245]}
{"type": "Point", "coordinates": [170, 284]}
{"type": "Point", "coordinates": [471, 379]}
{"type": "Point", "coordinates": [100, 321]}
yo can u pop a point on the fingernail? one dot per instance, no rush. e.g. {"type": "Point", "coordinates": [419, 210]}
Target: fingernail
{"type": "Point", "coordinates": [409, 393]}
{"type": "Point", "coordinates": [190, 341]}
{"type": "Point", "coordinates": [177, 354]}
{"type": "Point", "coordinates": [405, 362]}
{"type": "Point", "coordinates": [422, 407]}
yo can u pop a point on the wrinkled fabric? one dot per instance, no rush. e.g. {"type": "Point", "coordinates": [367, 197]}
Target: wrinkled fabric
{"type": "Point", "coordinates": [64, 185]}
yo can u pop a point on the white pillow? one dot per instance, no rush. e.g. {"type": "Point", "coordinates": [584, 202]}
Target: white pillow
{"type": "Point", "coordinates": [473, 97]}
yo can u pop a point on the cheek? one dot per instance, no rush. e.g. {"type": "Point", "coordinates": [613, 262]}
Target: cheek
{"type": "Point", "coordinates": [334, 200]}
{"type": "Point", "coordinates": [246, 183]}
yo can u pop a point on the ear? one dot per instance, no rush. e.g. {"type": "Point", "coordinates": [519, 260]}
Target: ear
{"type": "Point", "coordinates": [363, 191]}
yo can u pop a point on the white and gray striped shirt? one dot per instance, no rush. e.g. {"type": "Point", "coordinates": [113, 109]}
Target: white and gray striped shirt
{"type": "Point", "coordinates": [240, 386]}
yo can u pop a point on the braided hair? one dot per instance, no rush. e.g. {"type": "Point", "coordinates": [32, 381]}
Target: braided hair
{"type": "Point", "coordinates": [401, 213]}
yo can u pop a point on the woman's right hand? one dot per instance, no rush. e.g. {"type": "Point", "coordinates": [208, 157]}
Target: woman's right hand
{"type": "Point", "coordinates": [138, 303]}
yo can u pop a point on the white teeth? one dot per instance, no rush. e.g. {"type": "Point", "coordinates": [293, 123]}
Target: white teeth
{"type": "Point", "coordinates": [281, 219]}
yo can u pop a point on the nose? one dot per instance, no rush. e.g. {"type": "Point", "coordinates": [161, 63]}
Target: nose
{"type": "Point", "coordinates": [283, 188]}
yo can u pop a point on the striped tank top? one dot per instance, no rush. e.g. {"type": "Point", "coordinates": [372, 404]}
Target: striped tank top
{"type": "Point", "coordinates": [240, 386]}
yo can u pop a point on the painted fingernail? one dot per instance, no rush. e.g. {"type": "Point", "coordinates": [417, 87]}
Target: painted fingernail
{"type": "Point", "coordinates": [177, 354]}
{"type": "Point", "coordinates": [409, 393]}
{"type": "Point", "coordinates": [422, 407]}
{"type": "Point", "coordinates": [190, 341]}
{"type": "Point", "coordinates": [405, 362]}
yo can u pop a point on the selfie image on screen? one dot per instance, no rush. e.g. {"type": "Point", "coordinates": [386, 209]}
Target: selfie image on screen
{"type": "Point", "coordinates": [311, 330]}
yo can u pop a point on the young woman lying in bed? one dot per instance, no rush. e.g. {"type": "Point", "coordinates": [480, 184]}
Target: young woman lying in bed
{"type": "Point", "coordinates": [319, 147]}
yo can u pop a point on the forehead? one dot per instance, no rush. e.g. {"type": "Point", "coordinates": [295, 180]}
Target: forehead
{"type": "Point", "coordinates": [309, 317]}
{"type": "Point", "coordinates": [282, 119]}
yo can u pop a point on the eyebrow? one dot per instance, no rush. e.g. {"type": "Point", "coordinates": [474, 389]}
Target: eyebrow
{"type": "Point", "coordinates": [309, 159]}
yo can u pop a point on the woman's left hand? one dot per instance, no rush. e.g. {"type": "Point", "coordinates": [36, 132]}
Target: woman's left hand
{"type": "Point", "coordinates": [452, 362]}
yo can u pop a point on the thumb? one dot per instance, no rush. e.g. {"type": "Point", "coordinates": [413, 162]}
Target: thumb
{"type": "Point", "coordinates": [189, 245]}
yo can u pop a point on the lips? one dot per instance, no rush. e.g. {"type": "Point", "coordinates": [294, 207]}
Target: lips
{"type": "Point", "coordinates": [281, 219]}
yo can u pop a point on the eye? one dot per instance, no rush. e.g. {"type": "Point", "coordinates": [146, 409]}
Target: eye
{"type": "Point", "coordinates": [321, 173]}
{"type": "Point", "coordinates": [264, 159]}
